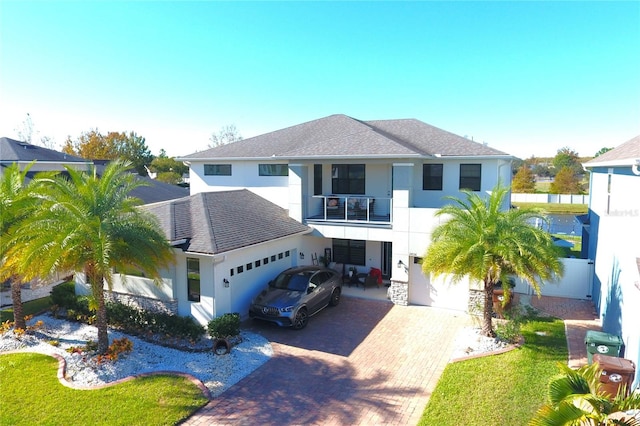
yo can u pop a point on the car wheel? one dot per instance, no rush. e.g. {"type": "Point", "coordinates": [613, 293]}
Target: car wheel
{"type": "Point", "coordinates": [301, 319]}
{"type": "Point", "coordinates": [335, 297]}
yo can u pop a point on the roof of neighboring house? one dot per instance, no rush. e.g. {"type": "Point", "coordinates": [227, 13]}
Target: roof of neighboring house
{"type": "Point", "coordinates": [343, 136]}
{"type": "Point", "coordinates": [218, 222]}
{"type": "Point", "coordinates": [13, 151]}
{"type": "Point", "coordinates": [624, 155]}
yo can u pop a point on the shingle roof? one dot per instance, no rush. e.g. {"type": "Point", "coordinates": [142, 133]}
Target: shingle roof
{"type": "Point", "coordinates": [343, 136]}
{"type": "Point", "coordinates": [13, 151]}
{"type": "Point", "coordinates": [623, 155]}
{"type": "Point", "coordinates": [217, 222]}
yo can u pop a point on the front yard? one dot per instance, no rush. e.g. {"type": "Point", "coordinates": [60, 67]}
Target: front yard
{"type": "Point", "coordinates": [504, 389]}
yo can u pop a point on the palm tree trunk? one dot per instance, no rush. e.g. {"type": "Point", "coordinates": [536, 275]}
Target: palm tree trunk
{"type": "Point", "coordinates": [487, 326]}
{"type": "Point", "coordinates": [101, 319]}
{"type": "Point", "coordinates": [18, 311]}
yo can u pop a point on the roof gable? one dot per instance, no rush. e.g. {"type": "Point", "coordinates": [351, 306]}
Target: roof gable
{"type": "Point", "coordinates": [343, 136]}
{"type": "Point", "coordinates": [217, 222]}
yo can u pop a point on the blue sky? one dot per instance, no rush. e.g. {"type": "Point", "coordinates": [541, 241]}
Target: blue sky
{"type": "Point", "coordinates": [527, 78]}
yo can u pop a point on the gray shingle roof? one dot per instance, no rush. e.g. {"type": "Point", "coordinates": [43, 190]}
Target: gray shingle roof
{"type": "Point", "coordinates": [623, 154]}
{"type": "Point", "coordinates": [217, 222]}
{"type": "Point", "coordinates": [13, 151]}
{"type": "Point", "coordinates": [343, 136]}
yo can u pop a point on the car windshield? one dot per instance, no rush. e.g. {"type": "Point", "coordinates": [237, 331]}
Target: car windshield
{"type": "Point", "coordinates": [294, 282]}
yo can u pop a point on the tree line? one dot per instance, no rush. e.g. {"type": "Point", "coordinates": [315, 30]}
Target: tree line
{"type": "Point", "coordinates": [564, 171]}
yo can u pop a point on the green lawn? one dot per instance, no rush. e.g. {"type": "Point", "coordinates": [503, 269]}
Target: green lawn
{"type": "Point", "coordinates": [31, 307]}
{"type": "Point", "coordinates": [557, 208]}
{"type": "Point", "coordinates": [502, 389]}
{"type": "Point", "coordinates": [32, 395]}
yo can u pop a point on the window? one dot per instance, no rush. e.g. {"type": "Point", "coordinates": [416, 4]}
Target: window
{"type": "Point", "coordinates": [193, 279]}
{"type": "Point", "coordinates": [231, 271]}
{"type": "Point", "coordinates": [240, 269]}
{"type": "Point", "coordinates": [273, 170]}
{"type": "Point", "coordinates": [349, 251]}
{"type": "Point", "coordinates": [432, 177]}
{"type": "Point", "coordinates": [280, 256]}
{"type": "Point", "coordinates": [470, 175]}
{"type": "Point", "coordinates": [273, 257]}
{"type": "Point", "coordinates": [347, 178]}
{"type": "Point", "coordinates": [287, 253]}
{"type": "Point", "coordinates": [317, 179]}
{"type": "Point", "coordinates": [217, 169]}
{"type": "Point", "coordinates": [265, 261]}
{"type": "Point", "coordinates": [249, 266]}
{"type": "Point", "coordinates": [257, 263]}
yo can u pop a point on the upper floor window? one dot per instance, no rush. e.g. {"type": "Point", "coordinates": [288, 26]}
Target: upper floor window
{"type": "Point", "coordinates": [470, 176]}
{"type": "Point", "coordinates": [347, 179]}
{"type": "Point", "coordinates": [217, 169]}
{"type": "Point", "coordinates": [273, 170]}
{"type": "Point", "coordinates": [193, 279]}
{"type": "Point", "coordinates": [317, 179]}
{"type": "Point", "coordinates": [432, 177]}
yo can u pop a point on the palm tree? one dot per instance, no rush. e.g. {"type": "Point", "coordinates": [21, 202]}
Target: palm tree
{"type": "Point", "coordinates": [90, 223]}
{"type": "Point", "coordinates": [576, 398]}
{"type": "Point", "coordinates": [483, 241]}
{"type": "Point", "coordinates": [14, 207]}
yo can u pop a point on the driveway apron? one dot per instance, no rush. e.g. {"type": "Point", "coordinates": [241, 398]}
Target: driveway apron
{"type": "Point", "coordinates": [362, 362]}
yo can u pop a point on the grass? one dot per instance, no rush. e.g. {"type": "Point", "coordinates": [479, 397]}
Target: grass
{"type": "Point", "coordinates": [32, 395]}
{"type": "Point", "coordinates": [557, 208]}
{"type": "Point", "coordinates": [31, 307]}
{"type": "Point", "coordinates": [504, 389]}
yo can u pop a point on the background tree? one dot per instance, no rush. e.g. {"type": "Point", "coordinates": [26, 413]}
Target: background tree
{"type": "Point", "coordinates": [89, 223]}
{"type": "Point", "coordinates": [566, 157]}
{"type": "Point", "coordinates": [487, 244]}
{"type": "Point", "coordinates": [225, 135]}
{"type": "Point", "coordinates": [566, 182]}
{"type": "Point", "coordinates": [28, 133]}
{"type": "Point", "coordinates": [127, 147]}
{"type": "Point", "coordinates": [524, 181]}
{"type": "Point", "coordinates": [602, 151]}
{"type": "Point", "coordinates": [168, 169]}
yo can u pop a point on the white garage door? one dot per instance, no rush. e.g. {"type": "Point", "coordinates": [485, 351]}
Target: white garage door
{"type": "Point", "coordinates": [439, 293]}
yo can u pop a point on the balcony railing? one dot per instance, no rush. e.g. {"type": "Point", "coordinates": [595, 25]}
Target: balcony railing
{"type": "Point", "coordinates": [350, 208]}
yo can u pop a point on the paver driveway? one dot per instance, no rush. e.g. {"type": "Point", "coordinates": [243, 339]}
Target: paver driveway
{"type": "Point", "coordinates": [362, 362]}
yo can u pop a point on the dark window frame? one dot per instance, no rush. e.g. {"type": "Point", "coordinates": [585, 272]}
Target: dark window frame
{"type": "Point", "coordinates": [432, 176]}
{"type": "Point", "coordinates": [273, 169]}
{"type": "Point", "coordinates": [317, 179]}
{"type": "Point", "coordinates": [348, 179]}
{"type": "Point", "coordinates": [217, 170]}
{"type": "Point", "coordinates": [352, 252]}
{"type": "Point", "coordinates": [470, 177]}
{"type": "Point", "coordinates": [193, 279]}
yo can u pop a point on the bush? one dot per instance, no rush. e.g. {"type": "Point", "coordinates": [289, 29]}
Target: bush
{"type": "Point", "coordinates": [64, 295]}
{"type": "Point", "coordinates": [227, 325]}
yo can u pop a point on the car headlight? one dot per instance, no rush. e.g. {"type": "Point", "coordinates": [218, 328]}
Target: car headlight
{"type": "Point", "coordinates": [286, 309]}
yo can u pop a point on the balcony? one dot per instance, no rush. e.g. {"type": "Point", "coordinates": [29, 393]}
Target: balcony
{"type": "Point", "coordinates": [350, 208]}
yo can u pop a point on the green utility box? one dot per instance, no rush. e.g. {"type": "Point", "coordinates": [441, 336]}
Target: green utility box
{"type": "Point", "coordinates": [599, 342]}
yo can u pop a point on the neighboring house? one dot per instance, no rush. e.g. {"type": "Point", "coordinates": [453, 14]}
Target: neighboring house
{"type": "Point", "coordinates": [226, 244]}
{"type": "Point", "coordinates": [368, 190]}
{"type": "Point", "coordinates": [612, 235]}
{"type": "Point", "coordinates": [23, 153]}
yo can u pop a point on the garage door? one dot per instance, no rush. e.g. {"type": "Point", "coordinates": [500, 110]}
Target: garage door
{"type": "Point", "coordinates": [438, 293]}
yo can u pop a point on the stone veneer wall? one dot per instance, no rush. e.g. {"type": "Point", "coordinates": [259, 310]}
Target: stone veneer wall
{"type": "Point", "coordinates": [399, 292]}
{"type": "Point", "coordinates": [476, 302]}
{"type": "Point", "coordinates": [143, 303]}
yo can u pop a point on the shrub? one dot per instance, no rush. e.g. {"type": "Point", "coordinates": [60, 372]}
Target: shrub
{"type": "Point", "coordinates": [227, 325]}
{"type": "Point", "coordinates": [64, 295]}
{"type": "Point", "coordinates": [510, 330]}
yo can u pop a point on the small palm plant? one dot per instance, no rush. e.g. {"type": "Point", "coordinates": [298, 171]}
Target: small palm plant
{"type": "Point", "coordinates": [576, 398]}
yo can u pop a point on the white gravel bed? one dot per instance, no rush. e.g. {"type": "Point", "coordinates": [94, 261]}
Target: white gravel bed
{"type": "Point", "coordinates": [470, 342]}
{"type": "Point", "coordinates": [217, 372]}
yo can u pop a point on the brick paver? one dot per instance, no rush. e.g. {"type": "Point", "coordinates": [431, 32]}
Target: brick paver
{"type": "Point", "coordinates": [362, 362]}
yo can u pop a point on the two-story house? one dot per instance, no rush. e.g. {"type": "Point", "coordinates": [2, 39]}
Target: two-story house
{"type": "Point", "coordinates": [612, 234]}
{"type": "Point", "coordinates": [368, 190]}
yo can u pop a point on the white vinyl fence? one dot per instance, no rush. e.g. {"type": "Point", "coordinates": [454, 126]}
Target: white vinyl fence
{"type": "Point", "coordinates": [575, 283]}
{"type": "Point", "coordinates": [550, 198]}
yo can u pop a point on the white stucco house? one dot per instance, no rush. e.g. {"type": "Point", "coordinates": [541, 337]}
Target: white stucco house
{"type": "Point", "coordinates": [612, 235]}
{"type": "Point", "coordinates": [363, 193]}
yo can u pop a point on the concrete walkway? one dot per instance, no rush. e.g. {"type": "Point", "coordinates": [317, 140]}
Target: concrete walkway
{"type": "Point", "coordinates": [363, 362]}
